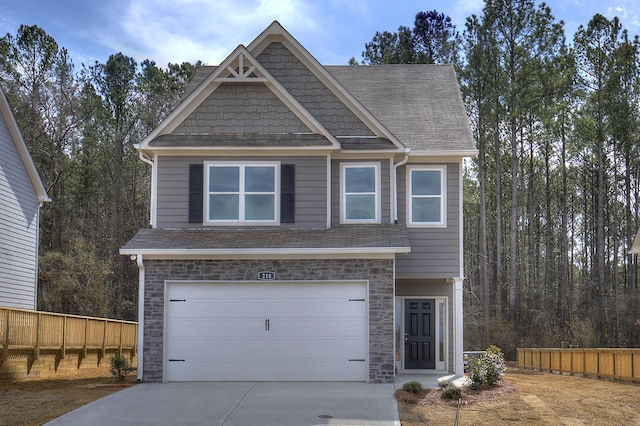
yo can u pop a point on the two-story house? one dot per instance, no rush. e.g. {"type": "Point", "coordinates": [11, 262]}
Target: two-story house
{"type": "Point", "coordinates": [306, 222]}
{"type": "Point", "coordinates": [21, 194]}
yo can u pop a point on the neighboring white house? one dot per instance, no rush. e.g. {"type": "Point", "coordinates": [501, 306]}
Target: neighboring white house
{"type": "Point", "coordinates": [21, 194]}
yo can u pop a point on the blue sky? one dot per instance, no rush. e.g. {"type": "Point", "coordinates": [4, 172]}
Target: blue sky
{"type": "Point", "coordinates": [208, 30]}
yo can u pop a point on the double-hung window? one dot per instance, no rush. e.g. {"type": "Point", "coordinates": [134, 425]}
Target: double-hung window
{"type": "Point", "coordinates": [245, 193]}
{"type": "Point", "coordinates": [426, 201]}
{"type": "Point", "coordinates": [360, 190]}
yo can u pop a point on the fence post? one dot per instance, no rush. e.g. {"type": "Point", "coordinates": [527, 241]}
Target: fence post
{"type": "Point", "coordinates": [121, 333]}
{"type": "Point", "coordinates": [36, 350]}
{"type": "Point", "coordinates": [104, 338]}
{"type": "Point", "coordinates": [134, 352]}
{"type": "Point", "coordinates": [86, 331]}
{"type": "Point", "coordinates": [63, 350]}
{"type": "Point", "coordinates": [5, 348]}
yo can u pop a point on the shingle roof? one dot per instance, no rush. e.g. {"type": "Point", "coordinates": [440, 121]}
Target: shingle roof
{"type": "Point", "coordinates": [392, 237]}
{"type": "Point", "coordinates": [420, 104]}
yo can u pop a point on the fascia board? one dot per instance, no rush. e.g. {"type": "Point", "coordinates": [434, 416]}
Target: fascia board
{"type": "Point", "coordinates": [23, 151]}
{"type": "Point", "coordinates": [445, 153]}
{"type": "Point", "coordinates": [239, 151]}
{"type": "Point", "coordinates": [270, 253]}
{"type": "Point", "coordinates": [277, 30]}
{"type": "Point", "coordinates": [365, 154]}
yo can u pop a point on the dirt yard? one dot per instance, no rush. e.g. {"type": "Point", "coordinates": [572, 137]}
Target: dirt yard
{"type": "Point", "coordinates": [36, 402]}
{"type": "Point", "coordinates": [525, 397]}
{"type": "Point", "coordinates": [534, 398]}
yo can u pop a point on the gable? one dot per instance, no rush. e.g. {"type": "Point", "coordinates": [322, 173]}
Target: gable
{"type": "Point", "coordinates": [239, 97]}
{"type": "Point", "coordinates": [311, 92]}
{"type": "Point", "coordinates": [12, 135]}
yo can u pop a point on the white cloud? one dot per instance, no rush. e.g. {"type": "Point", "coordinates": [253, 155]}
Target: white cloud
{"type": "Point", "coordinates": [191, 30]}
{"type": "Point", "coordinates": [465, 8]}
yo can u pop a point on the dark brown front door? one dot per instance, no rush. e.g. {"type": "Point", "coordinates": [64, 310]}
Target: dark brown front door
{"type": "Point", "coordinates": [419, 333]}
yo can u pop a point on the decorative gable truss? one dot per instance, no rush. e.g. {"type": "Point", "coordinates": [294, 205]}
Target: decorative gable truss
{"type": "Point", "coordinates": [239, 67]}
{"type": "Point", "coordinates": [242, 68]}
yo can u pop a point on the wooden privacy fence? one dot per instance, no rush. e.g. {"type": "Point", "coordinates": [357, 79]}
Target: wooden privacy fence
{"type": "Point", "coordinates": [622, 364]}
{"type": "Point", "coordinates": [31, 331]}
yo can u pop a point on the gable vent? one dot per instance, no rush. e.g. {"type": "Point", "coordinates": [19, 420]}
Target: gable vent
{"type": "Point", "coordinates": [242, 69]}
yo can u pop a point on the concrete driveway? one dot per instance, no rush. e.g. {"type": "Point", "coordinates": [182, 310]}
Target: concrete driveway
{"type": "Point", "coordinates": [241, 404]}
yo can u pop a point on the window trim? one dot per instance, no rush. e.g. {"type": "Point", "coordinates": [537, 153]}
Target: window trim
{"type": "Point", "coordinates": [343, 193]}
{"type": "Point", "coordinates": [443, 196]}
{"type": "Point", "coordinates": [241, 221]}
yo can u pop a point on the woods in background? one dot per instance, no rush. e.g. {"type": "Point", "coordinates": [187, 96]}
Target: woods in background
{"type": "Point", "coordinates": [551, 200]}
{"type": "Point", "coordinates": [80, 125]}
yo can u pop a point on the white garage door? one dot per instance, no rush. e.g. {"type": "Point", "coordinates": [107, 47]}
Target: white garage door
{"type": "Point", "coordinates": [266, 331]}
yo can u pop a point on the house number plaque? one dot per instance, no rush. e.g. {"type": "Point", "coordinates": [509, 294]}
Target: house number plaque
{"type": "Point", "coordinates": [266, 275]}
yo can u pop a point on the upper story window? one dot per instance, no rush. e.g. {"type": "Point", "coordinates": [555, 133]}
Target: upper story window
{"type": "Point", "coordinates": [360, 191]}
{"type": "Point", "coordinates": [426, 196]}
{"type": "Point", "coordinates": [242, 193]}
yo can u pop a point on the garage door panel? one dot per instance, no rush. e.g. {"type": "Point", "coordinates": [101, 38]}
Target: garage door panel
{"type": "Point", "coordinates": [215, 327]}
{"type": "Point", "coordinates": [218, 331]}
{"type": "Point", "coordinates": [253, 371]}
{"type": "Point", "coordinates": [267, 349]}
{"type": "Point", "coordinates": [270, 290]}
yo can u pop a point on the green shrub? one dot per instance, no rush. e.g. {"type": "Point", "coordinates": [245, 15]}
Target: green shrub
{"type": "Point", "coordinates": [487, 369]}
{"type": "Point", "coordinates": [412, 387]}
{"type": "Point", "coordinates": [120, 366]}
{"type": "Point", "coordinates": [449, 390]}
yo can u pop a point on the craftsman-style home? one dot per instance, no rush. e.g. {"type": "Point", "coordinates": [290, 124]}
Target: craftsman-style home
{"type": "Point", "coordinates": [306, 222]}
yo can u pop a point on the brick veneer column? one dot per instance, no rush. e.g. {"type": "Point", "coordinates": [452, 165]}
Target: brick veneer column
{"type": "Point", "coordinates": [379, 273]}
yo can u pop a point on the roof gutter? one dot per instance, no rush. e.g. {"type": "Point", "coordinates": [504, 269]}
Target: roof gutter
{"type": "Point", "coordinates": [394, 188]}
{"type": "Point", "coordinates": [292, 252]}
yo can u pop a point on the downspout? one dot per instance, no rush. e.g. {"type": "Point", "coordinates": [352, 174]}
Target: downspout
{"type": "Point", "coordinates": [329, 194]}
{"type": "Point", "coordinates": [394, 177]}
{"type": "Point", "coordinates": [141, 278]}
{"type": "Point", "coordinates": [145, 159]}
{"type": "Point", "coordinates": [37, 256]}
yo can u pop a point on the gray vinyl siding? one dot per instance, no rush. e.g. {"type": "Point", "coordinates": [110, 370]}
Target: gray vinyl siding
{"type": "Point", "coordinates": [18, 228]}
{"type": "Point", "coordinates": [385, 203]}
{"type": "Point", "coordinates": [310, 190]}
{"type": "Point", "coordinates": [435, 252]}
{"type": "Point", "coordinates": [432, 288]}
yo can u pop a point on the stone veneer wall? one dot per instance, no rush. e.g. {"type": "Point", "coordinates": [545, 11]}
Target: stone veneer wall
{"type": "Point", "coordinates": [379, 273]}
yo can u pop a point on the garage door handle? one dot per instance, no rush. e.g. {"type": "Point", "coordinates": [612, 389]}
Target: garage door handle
{"type": "Point", "coordinates": [357, 359]}
{"type": "Point", "coordinates": [177, 360]}
{"type": "Point", "coordinates": [266, 325]}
